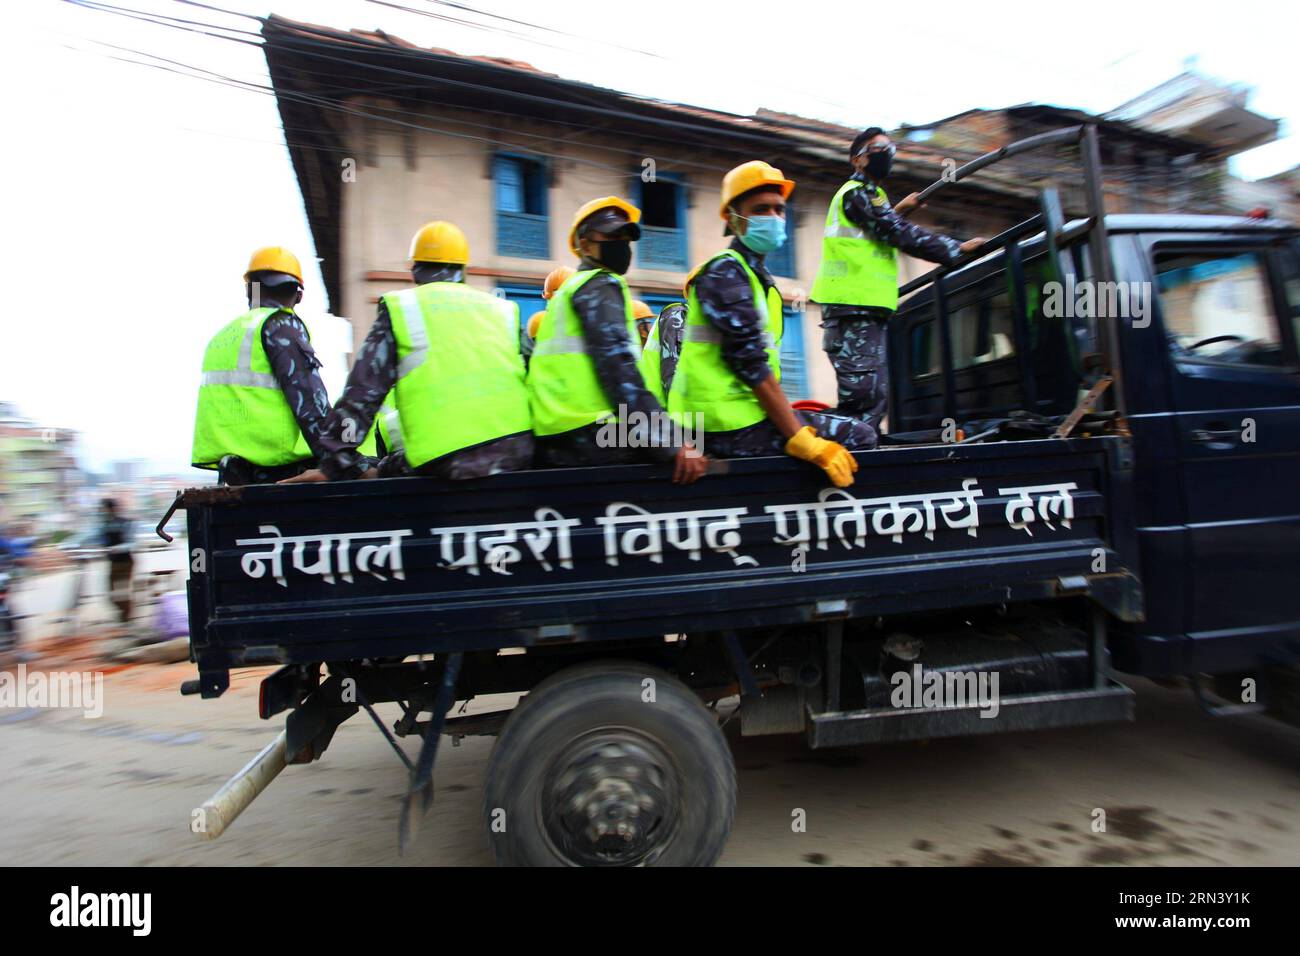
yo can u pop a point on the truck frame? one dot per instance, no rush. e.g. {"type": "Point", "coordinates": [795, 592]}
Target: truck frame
{"type": "Point", "coordinates": [1007, 533]}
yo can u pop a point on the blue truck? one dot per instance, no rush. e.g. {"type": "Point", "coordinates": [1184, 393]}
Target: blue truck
{"type": "Point", "coordinates": [1091, 471]}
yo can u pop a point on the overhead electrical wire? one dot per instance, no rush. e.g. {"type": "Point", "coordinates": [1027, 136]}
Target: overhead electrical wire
{"type": "Point", "coordinates": [321, 102]}
{"type": "Point", "coordinates": [314, 47]}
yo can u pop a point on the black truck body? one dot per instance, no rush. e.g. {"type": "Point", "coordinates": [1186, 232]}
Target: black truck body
{"type": "Point", "coordinates": [1010, 528]}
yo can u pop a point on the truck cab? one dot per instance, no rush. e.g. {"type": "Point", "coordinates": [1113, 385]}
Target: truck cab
{"type": "Point", "coordinates": [1207, 311]}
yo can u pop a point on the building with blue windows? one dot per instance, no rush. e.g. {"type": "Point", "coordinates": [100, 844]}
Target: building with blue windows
{"type": "Point", "coordinates": [508, 152]}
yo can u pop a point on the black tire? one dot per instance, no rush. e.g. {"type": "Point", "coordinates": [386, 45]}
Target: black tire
{"type": "Point", "coordinates": [587, 773]}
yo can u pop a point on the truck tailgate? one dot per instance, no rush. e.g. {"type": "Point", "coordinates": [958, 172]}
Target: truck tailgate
{"type": "Point", "coordinates": [317, 572]}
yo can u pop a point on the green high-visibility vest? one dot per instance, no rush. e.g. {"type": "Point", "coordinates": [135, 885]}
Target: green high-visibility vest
{"type": "Point", "coordinates": [857, 268]}
{"type": "Point", "coordinates": [563, 388]}
{"type": "Point", "coordinates": [460, 378]}
{"type": "Point", "coordinates": [241, 410]}
{"type": "Point", "coordinates": [651, 363]}
{"type": "Point", "coordinates": [388, 423]}
{"type": "Point", "coordinates": [704, 383]}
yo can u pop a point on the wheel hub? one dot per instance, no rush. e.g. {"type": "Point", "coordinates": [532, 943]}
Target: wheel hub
{"type": "Point", "coordinates": [611, 800]}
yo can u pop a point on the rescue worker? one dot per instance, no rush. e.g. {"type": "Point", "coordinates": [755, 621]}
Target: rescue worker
{"type": "Point", "coordinates": [662, 347]}
{"type": "Point", "coordinates": [645, 317]}
{"type": "Point", "coordinates": [728, 373]}
{"type": "Point", "coordinates": [530, 337]}
{"type": "Point", "coordinates": [857, 281]}
{"type": "Point", "coordinates": [584, 370]}
{"type": "Point", "coordinates": [450, 355]}
{"type": "Point", "coordinates": [262, 405]}
{"type": "Point", "coordinates": [554, 279]}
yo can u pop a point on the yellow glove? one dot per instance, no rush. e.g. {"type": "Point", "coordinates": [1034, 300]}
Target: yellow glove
{"type": "Point", "coordinates": [831, 457]}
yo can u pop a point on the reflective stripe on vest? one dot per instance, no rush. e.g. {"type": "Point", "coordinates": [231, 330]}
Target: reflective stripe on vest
{"type": "Point", "coordinates": [564, 391]}
{"type": "Point", "coordinates": [651, 364]}
{"type": "Point", "coordinates": [703, 383]}
{"type": "Point", "coordinates": [241, 410]}
{"type": "Point", "coordinates": [856, 267]}
{"type": "Point", "coordinates": [388, 423]}
{"type": "Point", "coordinates": [460, 375]}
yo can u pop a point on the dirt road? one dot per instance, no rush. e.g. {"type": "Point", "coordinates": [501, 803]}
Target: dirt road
{"type": "Point", "coordinates": [1176, 788]}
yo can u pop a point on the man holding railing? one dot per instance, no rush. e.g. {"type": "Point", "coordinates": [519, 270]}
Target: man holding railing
{"type": "Point", "coordinates": [857, 282]}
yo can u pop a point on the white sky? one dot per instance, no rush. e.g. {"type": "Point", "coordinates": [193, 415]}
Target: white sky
{"type": "Point", "coordinates": [133, 196]}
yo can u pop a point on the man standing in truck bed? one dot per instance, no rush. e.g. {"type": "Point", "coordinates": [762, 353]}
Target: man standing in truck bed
{"type": "Point", "coordinates": [857, 282]}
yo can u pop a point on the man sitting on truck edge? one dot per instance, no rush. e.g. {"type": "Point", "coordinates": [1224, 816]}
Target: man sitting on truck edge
{"type": "Point", "coordinates": [729, 368]}
{"type": "Point", "coordinates": [262, 406]}
{"type": "Point", "coordinates": [663, 346]}
{"type": "Point", "coordinates": [857, 281]}
{"type": "Point", "coordinates": [554, 279]}
{"type": "Point", "coordinates": [450, 355]}
{"type": "Point", "coordinates": [584, 370]}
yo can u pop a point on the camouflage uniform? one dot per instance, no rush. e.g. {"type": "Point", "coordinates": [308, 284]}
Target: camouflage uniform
{"type": "Point", "coordinates": [296, 370]}
{"type": "Point", "coordinates": [727, 301]}
{"type": "Point", "coordinates": [856, 345]}
{"type": "Point", "coordinates": [526, 345]}
{"type": "Point", "coordinates": [599, 305]}
{"type": "Point", "coordinates": [672, 322]}
{"type": "Point", "coordinates": [371, 379]}
{"type": "Point", "coordinates": [855, 335]}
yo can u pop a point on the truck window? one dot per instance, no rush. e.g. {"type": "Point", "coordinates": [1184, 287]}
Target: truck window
{"type": "Point", "coordinates": [925, 359]}
{"type": "Point", "coordinates": [1217, 308]}
{"type": "Point", "coordinates": [1290, 259]}
{"type": "Point", "coordinates": [981, 325]}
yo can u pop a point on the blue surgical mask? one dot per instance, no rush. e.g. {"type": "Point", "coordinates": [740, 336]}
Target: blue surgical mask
{"type": "Point", "coordinates": [764, 234]}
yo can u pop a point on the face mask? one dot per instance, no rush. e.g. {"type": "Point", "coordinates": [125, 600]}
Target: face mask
{"type": "Point", "coordinates": [878, 165]}
{"type": "Point", "coordinates": [616, 255]}
{"type": "Point", "coordinates": [764, 234]}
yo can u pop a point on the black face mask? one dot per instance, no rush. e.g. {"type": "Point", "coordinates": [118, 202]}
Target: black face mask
{"type": "Point", "coordinates": [878, 165]}
{"type": "Point", "coordinates": [616, 255]}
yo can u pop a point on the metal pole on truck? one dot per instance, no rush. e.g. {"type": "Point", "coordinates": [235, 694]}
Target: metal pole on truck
{"type": "Point", "coordinates": [1085, 136]}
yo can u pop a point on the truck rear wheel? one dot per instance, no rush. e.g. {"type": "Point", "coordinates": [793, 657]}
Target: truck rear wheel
{"type": "Point", "coordinates": [610, 764]}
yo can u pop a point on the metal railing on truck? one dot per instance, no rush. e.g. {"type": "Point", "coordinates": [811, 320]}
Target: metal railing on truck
{"type": "Point", "coordinates": [1050, 221]}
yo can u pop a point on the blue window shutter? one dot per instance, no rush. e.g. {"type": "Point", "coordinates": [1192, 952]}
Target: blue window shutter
{"type": "Point", "coordinates": [509, 178]}
{"type": "Point", "coordinates": [522, 228]}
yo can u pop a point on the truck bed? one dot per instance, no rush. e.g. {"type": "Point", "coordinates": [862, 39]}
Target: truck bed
{"type": "Point", "coordinates": [307, 573]}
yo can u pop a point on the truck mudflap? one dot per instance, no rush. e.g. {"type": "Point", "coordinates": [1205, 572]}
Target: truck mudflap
{"type": "Point", "coordinates": [297, 574]}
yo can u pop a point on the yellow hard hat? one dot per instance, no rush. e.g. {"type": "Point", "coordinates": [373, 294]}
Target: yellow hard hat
{"type": "Point", "coordinates": [554, 279]}
{"type": "Point", "coordinates": [440, 242]}
{"type": "Point", "coordinates": [596, 205]}
{"type": "Point", "coordinates": [274, 259]}
{"type": "Point", "coordinates": [534, 321]}
{"type": "Point", "coordinates": [690, 277]}
{"type": "Point", "coordinates": [749, 176]}
{"type": "Point", "coordinates": [640, 310]}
